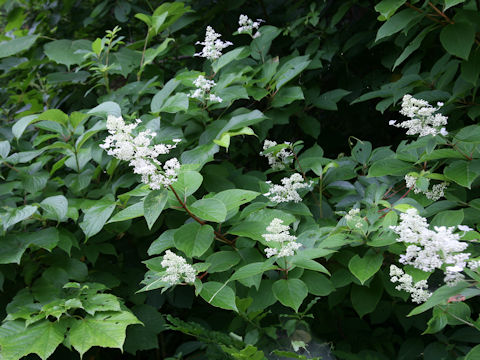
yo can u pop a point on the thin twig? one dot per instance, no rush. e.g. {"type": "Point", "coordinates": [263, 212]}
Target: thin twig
{"type": "Point", "coordinates": [441, 13]}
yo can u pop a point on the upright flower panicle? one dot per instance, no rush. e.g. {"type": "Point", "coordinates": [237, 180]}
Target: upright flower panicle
{"type": "Point", "coordinates": [212, 45]}
{"type": "Point", "coordinates": [423, 120]}
{"type": "Point", "coordinates": [279, 160]}
{"type": "Point", "coordinates": [428, 250]}
{"type": "Point", "coordinates": [177, 269]}
{"type": "Point", "coordinates": [247, 25]}
{"type": "Point", "coordinates": [279, 233]}
{"type": "Point", "coordinates": [203, 88]}
{"type": "Point", "coordinates": [288, 190]}
{"type": "Point", "coordinates": [139, 152]}
{"type": "Point", "coordinates": [418, 291]}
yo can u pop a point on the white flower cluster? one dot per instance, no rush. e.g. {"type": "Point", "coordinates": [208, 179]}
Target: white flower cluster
{"type": "Point", "coordinates": [419, 290]}
{"type": "Point", "coordinates": [202, 91]}
{"type": "Point", "coordinates": [422, 121]}
{"type": "Point", "coordinates": [428, 250]}
{"type": "Point", "coordinates": [247, 25]}
{"type": "Point", "coordinates": [437, 191]}
{"type": "Point", "coordinates": [279, 233]}
{"type": "Point", "coordinates": [177, 269]}
{"type": "Point", "coordinates": [287, 192]}
{"type": "Point", "coordinates": [142, 156]}
{"type": "Point", "coordinates": [352, 213]}
{"type": "Point", "coordinates": [212, 45]}
{"type": "Point", "coordinates": [277, 160]}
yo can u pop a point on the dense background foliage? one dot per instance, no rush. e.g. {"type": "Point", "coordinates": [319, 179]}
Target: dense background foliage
{"type": "Point", "coordinates": [80, 231]}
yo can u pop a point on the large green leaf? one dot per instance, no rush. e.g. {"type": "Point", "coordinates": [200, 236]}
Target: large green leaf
{"type": "Point", "coordinates": [56, 205]}
{"type": "Point", "coordinates": [66, 51]}
{"type": "Point", "coordinates": [12, 47]}
{"type": "Point", "coordinates": [153, 205]}
{"type": "Point", "coordinates": [131, 212]}
{"type": "Point", "coordinates": [290, 292]}
{"type": "Point", "coordinates": [252, 269]}
{"type": "Point", "coordinates": [209, 209]}
{"type": "Point", "coordinates": [193, 239]}
{"type": "Point", "coordinates": [365, 299]}
{"type": "Point", "coordinates": [290, 69]}
{"type": "Point", "coordinates": [458, 39]}
{"type": "Point", "coordinates": [106, 329]}
{"type": "Point", "coordinates": [397, 23]}
{"type": "Point", "coordinates": [160, 97]}
{"type": "Point", "coordinates": [41, 338]}
{"type": "Point", "coordinates": [233, 198]}
{"type": "Point", "coordinates": [463, 172]}
{"type": "Point", "coordinates": [387, 8]}
{"type": "Point", "coordinates": [364, 268]}
{"type": "Point", "coordinates": [96, 217]}
{"type": "Point", "coordinates": [222, 260]}
{"type": "Point", "coordinates": [219, 295]}
{"type": "Point", "coordinates": [389, 167]}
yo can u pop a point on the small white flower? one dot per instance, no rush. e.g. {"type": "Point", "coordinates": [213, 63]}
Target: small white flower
{"type": "Point", "coordinates": [418, 291]}
{"type": "Point", "coordinates": [279, 233]}
{"type": "Point", "coordinates": [247, 25]}
{"type": "Point", "coordinates": [352, 213]}
{"type": "Point", "coordinates": [204, 86]}
{"type": "Point", "coordinates": [212, 45]}
{"type": "Point", "coordinates": [279, 160]}
{"type": "Point", "coordinates": [177, 269]}
{"type": "Point", "coordinates": [423, 120]}
{"type": "Point", "coordinates": [139, 152]}
{"type": "Point", "coordinates": [464, 228]}
{"type": "Point", "coordinates": [288, 191]}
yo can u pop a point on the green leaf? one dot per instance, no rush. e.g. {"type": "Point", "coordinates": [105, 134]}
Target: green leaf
{"type": "Point", "coordinates": [219, 295]}
{"type": "Point", "coordinates": [329, 100]}
{"type": "Point", "coordinates": [96, 217]}
{"type": "Point", "coordinates": [153, 205]}
{"type": "Point", "coordinates": [473, 354]}
{"type": "Point", "coordinates": [227, 58]}
{"type": "Point", "coordinates": [412, 46]}
{"type": "Point", "coordinates": [106, 108]}
{"type": "Point", "coordinates": [290, 292]}
{"type": "Point", "coordinates": [463, 172]}
{"type": "Point", "coordinates": [240, 121]}
{"type": "Point", "coordinates": [365, 299]}
{"type": "Point", "coordinates": [470, 134]}
{"type": "Point", "coordinates": [397, 23]}
{"type": "Point", "coordinates": [193, 239]}
{"type": "Point", "coordinates": [317, 284]}
{"type": "Point", "coordinates": [12, 47]}
{"type": "Point", "coordinates": [175, 103]}
{"type": "Point", "coordinates": [56, 205]}
{"type": "Point", "coordinates": [450, 3]}
{"type": "Point", "coordinates": [4, 148]}
{"type": "Point", "coordinates": [233, 198]}
{"type": "Point", "coordinates": [260, 46]}
{"type": "Point", "coordinates": [152, 53]}
{"type": "Point", "coordinates": [389, 167]}
{"type": "Point", "coordinates": [17, 215]}
{"type": "Point", "coordinates": [448, 218]}
{"type": "Point", "coordinates": [209, 210]}
{"type": "Point", "coordinates": [442, 294]}
{"type": "Point", "coordinates": [187, 183]}
{"type": "Point", "coordinates": [387, 8]}
{"type": "Point", "coordinates": [290, 69]}
{"type": "Point", "coordinates": [222, 260]}
{"type": "Point", "coordinates": [160, 97]}
{"type": "Point", "coordinates": [162, 243]}
{"type": "Point", "coordinates": [100, 302]}
{"type": "Point", "coordinates": [66, 51]}
{"type": "Point", "coordinates": [458, 39]}
{"type": "Point", "coordinates": [106, 329]}
{"type": "Point", "coordinates": [41, 338]}
{"type": "Point", "coordinates": [252, 269]}
{"type": "Point", "coordinates": [19, 127]}
{"type": "Point", "coordinates": [287, 95]}
{"type": "Point", "coordinates": [364, 268]}
{"type": "Point", "coordinates": [310, 264]}
{"type": "Point", "coordinates": [131, 212]}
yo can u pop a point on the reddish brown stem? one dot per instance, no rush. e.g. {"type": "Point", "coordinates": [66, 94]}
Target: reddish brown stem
{"type": "Point", "coordinates": [441, 13]}
{"type": "Point", "coordinates": [218, 235]}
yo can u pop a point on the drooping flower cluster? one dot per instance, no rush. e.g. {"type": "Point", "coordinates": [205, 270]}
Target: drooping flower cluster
{"type": "Point", "coordinates": [247, 25]}
{"type": "Point", "coordinates": [423, 120]}
{"type": "Point", "coordinates": [418, 290]}
{"type": "Point", "coordinates": [280, 159]}
{"type": "Point", "coordinates": [212, 45]}
{"type": "Point", "coordinates": [203, 88]}
{"type": "Point", "coordinates": [437, 191]}
{"type": "Point", "coordinates": [177, 269]}
{"type": "Point", "coordinates": [287, 192]}
{"type": "Point", "coordinates": [279, 233]}
{"type": "Point", "coordinates": [428, 250]}
{"type": "Point", "coordinates": [142, 156]}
